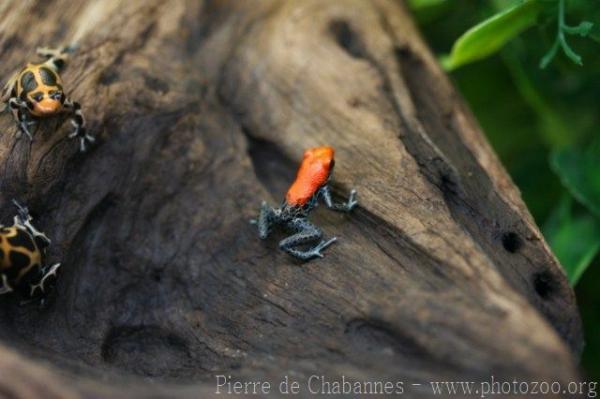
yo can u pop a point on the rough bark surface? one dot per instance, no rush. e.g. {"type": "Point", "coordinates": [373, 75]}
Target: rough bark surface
{"type": "Point", "coordinates": [202, 110]}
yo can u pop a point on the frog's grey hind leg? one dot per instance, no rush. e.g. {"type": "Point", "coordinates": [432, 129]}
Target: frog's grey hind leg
{"type": "Point", "coordinates": [266, 218]}
{"type": "Point", "coordinates": [306, 233]}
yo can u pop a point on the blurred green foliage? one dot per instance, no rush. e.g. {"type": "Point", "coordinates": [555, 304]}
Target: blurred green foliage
{"type": "Point", "coordinates": [561, 227]}
{"type": "Point", "coordinates": [537, 96]}
{"type": "Point", "coordinates": [490, 35]}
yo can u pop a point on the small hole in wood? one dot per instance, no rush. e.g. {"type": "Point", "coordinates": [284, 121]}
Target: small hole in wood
{"type": "Point", "coordinates": [156, 84]}
{"type": "Point", "coordinates": [511, 242]}
{"type": "Point", "coordinates": [544, 284]}
{"type": "Point", "coordinates": [448, 185]}
{"type": "Point", "coordinates": [108, 77]}
{"type": "Point", "coordinates": [347, 38]}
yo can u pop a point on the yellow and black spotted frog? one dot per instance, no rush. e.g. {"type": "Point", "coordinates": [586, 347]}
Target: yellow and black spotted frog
{"type": "Point", "coordinates": [36, 91]}
{"type": "Point", "coordinates": [22, 258]}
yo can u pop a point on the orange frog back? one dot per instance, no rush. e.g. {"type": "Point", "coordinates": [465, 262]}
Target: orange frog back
{"type": "Point", "coordinates": [312, 175]}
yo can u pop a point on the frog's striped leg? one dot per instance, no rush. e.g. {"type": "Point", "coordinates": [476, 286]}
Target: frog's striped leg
{"type": "Point", "coordinates": [46, 273]}
{"type": "Point", "coordinates": [57, 57]}
{"type": "Point", "coordinates": [78, 122]}
{"type": "Point", "coordinates": [20, 112]}
{"type": "Point", "coordinates": [24, 219]}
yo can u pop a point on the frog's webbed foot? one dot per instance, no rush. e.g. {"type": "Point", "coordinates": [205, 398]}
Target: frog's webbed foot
{"type": "Point", "coordinates": [83, 137]}
{"type": "Point", "coordinates": [23, 215]}
{"type": "Point", "coordinates": [315, 252]}
{"type": "Point", "coordinates": [24, 128]}
{"type": "Point", "coordinates": [352, 201]}
{"type": "Point", "coordinates": [342, 207]}
{"type": "Point", "coordinates": [306, 233]}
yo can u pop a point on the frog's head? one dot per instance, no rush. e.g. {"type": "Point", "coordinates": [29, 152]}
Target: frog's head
{"type": "Point", "coordinates": [321, 157]}
{"type": "Point", "coordinates": [43, 91]}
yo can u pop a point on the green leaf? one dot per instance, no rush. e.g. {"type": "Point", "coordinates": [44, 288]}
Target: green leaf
{"type": "Point", "coordinates": [575, 239]}
{"type": "Point", "coordinates": [492, 34]}
{"type": "Point", "coordinates": [579, 172]}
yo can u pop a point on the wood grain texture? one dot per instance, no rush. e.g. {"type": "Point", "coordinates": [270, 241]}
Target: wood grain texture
{"type": "Point", "coordinates": [202, 110]}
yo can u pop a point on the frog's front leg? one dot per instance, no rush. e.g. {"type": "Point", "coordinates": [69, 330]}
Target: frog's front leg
{"type": "Point", "coordinates": [45, 274]}
{"type": "Point", "coordinates": [78, 122]}
{"type": "Point", "coordinates": [306, 233]}
{"type": "Point", "coordinates": [20, 113]}
{"type": "Point", "coordinates": [325, 193]}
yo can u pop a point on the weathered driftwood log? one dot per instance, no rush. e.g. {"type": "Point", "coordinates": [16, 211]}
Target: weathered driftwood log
{"type": "Point", "coordinates": [202, 110]}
